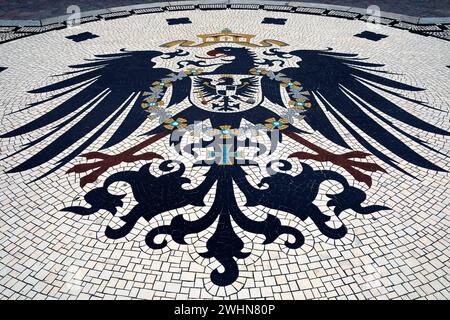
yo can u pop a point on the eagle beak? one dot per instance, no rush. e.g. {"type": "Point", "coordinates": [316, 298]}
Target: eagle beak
{"type": "Point", "coordinates": [213, 54]}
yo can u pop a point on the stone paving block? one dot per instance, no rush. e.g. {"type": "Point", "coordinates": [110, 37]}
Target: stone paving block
{"type": "Point", "coordinates": [212, 6]}
{"type": "Point", "coordinates": [148, 10]}
{"type": "Point", "coordinates": [7, 29]}
{"type": "Point", "coordinates": [8, 36]}
{"type": "Point", "coordinates": [244, 6]}
{"type": "Point", "coordinates": [377, 230]}
{"type": "Point", "coordinates": [115, 15]}
{"type": "Point", "coordinates": [310, 10]}
{"type": "Point", "coordinates": [278, 8]}
{"type": "Point", "coordinates": [384, 21]}
{"type": "Point", "coordinates": [343, 14]}
{"type": "Point", "coordinates": [417, 28]}
{"type": "Point", "coordinates": [180, 7]}
{"type": "Point", "coordinates": [41, 29]}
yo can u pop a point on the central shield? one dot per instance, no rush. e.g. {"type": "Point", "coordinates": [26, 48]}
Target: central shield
{"type": "Point", "coordinates": [226, 93]}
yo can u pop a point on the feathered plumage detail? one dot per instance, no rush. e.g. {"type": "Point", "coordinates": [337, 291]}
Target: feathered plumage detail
{"type": "Point", "coordinates": [349, 88]}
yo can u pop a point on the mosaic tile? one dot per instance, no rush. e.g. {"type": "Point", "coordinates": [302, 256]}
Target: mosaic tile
{"type": "Point", "coordinates": [212, 6]}
{"type": "Point", "coordinates": [148, 10]}
{"type": "Point", "coordinates": [310, 10]}
{"type": "Point", "coordinates": [180, 8]}
{"type": "Point", "coordinates": [178, 21]}
{"type": "Point", "coordinates": [227, 162]}
{"type": "Point", "coordinates": [274, 21]}
{"type": "Point", "coordinates": [414, 27]}
{"type": "Point", "coordinates": [382, 20]}
{"type": "Point", "coordinates": [277, 8]}
{"type": "Point", "coordinates": [7, 36]}
{"type": "Point", "coordinates": [89, 19]}
{"type": "Point", "coordinates": [343, 14]}
{"type": "Point", "coordinates": [440, 34]}
{"type": "Point", "coordinates": [40, 29]}
{"type": "Point", "coordinates": [244, 6]}
{"type": "Point", "coordinates": [7, 29]}
{"type": "Point", "coordinates": [371, 35]}
{"type": "Point", "coordinates": [82, 36]}
{"type": "Point", "coordinates": [115, 15]}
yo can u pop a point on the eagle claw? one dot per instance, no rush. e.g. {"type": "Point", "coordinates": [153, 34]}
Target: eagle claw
{"type": "Point", "coordinates": [345, 161]}
{"type": "Point", "coordinates": [106, 161]}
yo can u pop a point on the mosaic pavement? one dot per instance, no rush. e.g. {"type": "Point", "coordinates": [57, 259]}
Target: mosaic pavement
{"type": "Point", "coordinates": [225, 154]}
{"type": "Point", "coordinates": [29, 9]}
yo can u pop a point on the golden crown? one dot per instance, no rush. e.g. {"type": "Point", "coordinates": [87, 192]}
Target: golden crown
{"type": "Point", "coordinates": [225, 36]}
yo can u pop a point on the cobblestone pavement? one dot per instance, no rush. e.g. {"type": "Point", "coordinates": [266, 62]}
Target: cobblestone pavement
{"type": "Point", "coordinates": [31, 9]}
{"type": "Point", "coordinates": [225, 154]}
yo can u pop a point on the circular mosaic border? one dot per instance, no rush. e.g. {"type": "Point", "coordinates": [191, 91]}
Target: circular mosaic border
{"type": "Point", "coordinates": [11, 30]}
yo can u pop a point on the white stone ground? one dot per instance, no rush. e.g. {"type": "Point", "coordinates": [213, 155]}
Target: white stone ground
{"type": "Point", "coordinates": [49, 254]}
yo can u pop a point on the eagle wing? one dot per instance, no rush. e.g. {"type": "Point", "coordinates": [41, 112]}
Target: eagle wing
{"type": "Point", "coordinates": [112, 88]}
{"type": "Point", "coordinates": [248, 87]}
{"type": "Point", "coordinates": [348, 89]}
{"type": "Point", "coordinates": [204, 86]}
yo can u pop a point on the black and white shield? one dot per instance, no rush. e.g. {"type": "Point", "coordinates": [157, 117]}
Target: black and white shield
{"type": "Point", "coordinates": [226, 93]}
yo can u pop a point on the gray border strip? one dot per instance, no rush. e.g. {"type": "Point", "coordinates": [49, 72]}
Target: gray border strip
{"type": "Point", "coordinates": [440, 25]}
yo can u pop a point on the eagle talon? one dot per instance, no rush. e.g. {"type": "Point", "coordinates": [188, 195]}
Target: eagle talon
{"type": "Point", "coordinates": [344, 160]}
{"type": "Point", "coordinates": [108, 161]}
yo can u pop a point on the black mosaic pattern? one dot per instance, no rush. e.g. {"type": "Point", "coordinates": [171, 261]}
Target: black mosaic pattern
{"type": "Point", "coordinates": [371, 36]}
{"type": "Point", "coordinates": [115, 15]}
{"type": "Point", "coordinates": [276, 21]}
{"type": "Point", "coordinates": [82, 37]}
{"type": "Point", "coordinates": [175, 21]}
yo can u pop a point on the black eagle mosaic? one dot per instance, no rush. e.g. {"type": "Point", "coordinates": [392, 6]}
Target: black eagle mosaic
{"type": "Point", "coordinates": [246, 99]}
